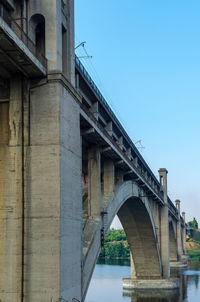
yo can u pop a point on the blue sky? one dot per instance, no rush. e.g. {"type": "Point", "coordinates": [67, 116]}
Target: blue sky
{"type": "Point", "coordinates": [146, 62]}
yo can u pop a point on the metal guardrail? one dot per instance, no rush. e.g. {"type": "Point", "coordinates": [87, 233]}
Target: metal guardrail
{"type": "Point", "coordinates": [23, 36]}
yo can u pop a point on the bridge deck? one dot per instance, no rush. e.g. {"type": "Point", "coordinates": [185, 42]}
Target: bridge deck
{"type": "Point", "coordinates": [100, 126]}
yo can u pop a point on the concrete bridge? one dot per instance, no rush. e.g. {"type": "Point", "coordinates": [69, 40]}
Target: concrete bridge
{"type": "Point", "coordinates": [67, 167]}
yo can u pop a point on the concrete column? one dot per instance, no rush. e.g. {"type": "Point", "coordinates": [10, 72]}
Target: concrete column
{"type": "Point", "coordinates": [156, 217]}
{"type": "Point", "coordinates": [119, 178]}
{"type": "Point", "coordinates": [11, 195]}
{"type": "Point", "coordinates": [94, 182]}
{"type": "Point", "coordinates": [70, 42]}
{"type": "Point", "coordinates": [53, 237]}
{"type": "Point", "coordinates": [95, 110]}
{"type": "Point", "coordinates": [165, 252]}
{"type": "Point", "coordinates": [178, 231]}
{"type": "Point", "coordinates": [184, 234]}
{"type": "Point", "coordinates": [109, 128]}
{"type": "Point", "coordinates": [120, 142]}
{"type": "Point", "coordinates": [109, 177]}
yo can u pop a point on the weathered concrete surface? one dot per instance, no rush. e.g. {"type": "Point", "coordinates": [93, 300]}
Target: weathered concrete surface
{"type": "Point", "coordinates": [177, 264]}
{"type": "Point", "coordinates": [153, 294]}
{"type": "Point", "coordinates": [11, 195]}
{"type": "Point", "coordinates": [41, 205]}
{"type": "Point", "coordinates": [94, 182]}
{"type": "Point", "coordinates": [70, 197]}
{"type": "Point", "coordinates": [42, 237]}
{"type": "Point", "coordinates": [53, 212]}
{"type": "Point", "coordinates": [150, 284]}
{"type": "Point", "coordinates": [109, 178]}
{"type": "Point", "coordinates": [35, 68]}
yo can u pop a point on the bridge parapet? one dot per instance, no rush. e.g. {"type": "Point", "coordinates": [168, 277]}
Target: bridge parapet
{"type": "Point", "coordinates": [18, 51]}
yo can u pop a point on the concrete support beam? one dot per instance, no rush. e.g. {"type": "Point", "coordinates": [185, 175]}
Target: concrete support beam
{"type": "Point", "coordinates": [165, 252]}
{"type": "Point", "coordinates": [95, 110]}
{"type": "Point", "coordinates": [109, 177]}
{"type": "Point", "coordinates": [109, 128]}
{"type": "Point", "coordinates": [136, 161]}
{"type": "Point", "coordinates": [128, 153]}
{"type": "Point", "coordinates": [120, 142]}
{"type": "Point", "coordinates": [178, 232]}
{"type": "Point", "coordinates": [94, 182]}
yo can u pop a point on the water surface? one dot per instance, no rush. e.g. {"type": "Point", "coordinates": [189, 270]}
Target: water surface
{"type": "Point", "coordinates": [106, 285]}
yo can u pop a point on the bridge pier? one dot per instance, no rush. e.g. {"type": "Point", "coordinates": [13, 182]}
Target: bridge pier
{"type": "Point", "coordinates": [108, 177]}
{"type": "Point", "coordinates": [94, 182]}
{"type": "Point", "coordinates": [11, 206]}
{"type": "Point", "coordinates": [179, 241]}
{"type": "Point", "coordinates": [164, 281]}
{"type": "Point", "coordinates": [165, 251]}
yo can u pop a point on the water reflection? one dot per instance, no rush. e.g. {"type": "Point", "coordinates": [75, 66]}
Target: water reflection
{"type": "Point", "coordinates": [107, 286]}
{"type": "Point", "coordinates": [121, 262]}
{"type": "Point", "coordinates": [175, 295]}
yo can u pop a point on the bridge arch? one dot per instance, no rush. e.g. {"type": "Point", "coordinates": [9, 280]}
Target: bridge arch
{"type": "Point", "coordinates": [137, 220]}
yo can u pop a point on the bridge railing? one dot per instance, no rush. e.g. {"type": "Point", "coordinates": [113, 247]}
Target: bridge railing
{"type": "Point", "coordinates": [16, 28]}
{"type": "Point", "coordinates": [131, 163]}
{"type": "Point", "coordinates": [113, 117]}
{"type": "Point", "coordinates": [94, 87]}
{"type": "Point", "coordinates": [172, 208]}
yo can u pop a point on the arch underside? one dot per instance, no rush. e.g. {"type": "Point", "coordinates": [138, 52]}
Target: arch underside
{"type": "Point", "coordinates": [139, 231]}
{"type": "Point", "coordinates": [137, 220]}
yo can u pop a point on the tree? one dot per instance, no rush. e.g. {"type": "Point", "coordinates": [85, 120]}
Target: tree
{"type": "Point", "coordinates": [193, 224]}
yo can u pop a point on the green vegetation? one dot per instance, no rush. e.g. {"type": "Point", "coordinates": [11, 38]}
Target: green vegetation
{"type": "Point", "coordinates": [193, 242]}
{"type": "Point", "coordinates": [194, 254]}
{"type": "Point", "coordinates": [116, 245]}
{"type": "Point", "coordinates": [115, 235]}
{"type": "Point", "coordinates": [193, 224]}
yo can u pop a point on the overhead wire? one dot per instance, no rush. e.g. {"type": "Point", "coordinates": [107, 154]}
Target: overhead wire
{"type": "Point", "coordinates": [97, 79]}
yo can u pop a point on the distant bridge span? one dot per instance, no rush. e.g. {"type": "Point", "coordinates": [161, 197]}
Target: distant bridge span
{"type": "Point", "coordinates": [118, 181]}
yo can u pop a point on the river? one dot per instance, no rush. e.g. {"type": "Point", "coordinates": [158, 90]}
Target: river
{"type": "Point", "coordinates": [106, 285]}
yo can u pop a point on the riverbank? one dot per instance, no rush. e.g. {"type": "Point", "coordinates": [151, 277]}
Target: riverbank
{"type": "Point", "coordinates": [193, 249]}
{"type": "Point", "coordinates": [116, 246]}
